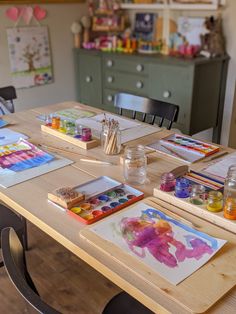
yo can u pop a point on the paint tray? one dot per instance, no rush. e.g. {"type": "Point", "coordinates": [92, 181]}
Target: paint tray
{"type": "Point", "coordinates": [103, 196]}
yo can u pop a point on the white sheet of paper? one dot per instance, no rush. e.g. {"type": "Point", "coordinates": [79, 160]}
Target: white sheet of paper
{"type": "Point", "coordinates": [137, 130]}
{"type": "Point", "coordinates": [220, 168]}
{"type": "Point", "coordinates": [124, 124]}
{"type": "Point", "coordinates": [174, 254]}
{"type": "Point", "coordinates": [10, 178]}
{"type": "Point", "coordinates": [7, 136]}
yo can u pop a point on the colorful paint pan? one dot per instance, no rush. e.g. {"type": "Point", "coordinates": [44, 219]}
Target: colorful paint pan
{"type": "Point", "coordinates": [123, 200]}
{"type": "Point", "coordinates": [112, 194]}
{"type": "Point", "coordinates": [114, 204]}
{"type": "Point", "coordinates": [120, 192]}
{"type": "Point", "coordinates": [104, 198]}
{"type": "Point", "coordinates": [105, 208]}
{"type": "Point", "coordinates": [97, 213]}
{"type": "Point", "coordinates": [85, 206]}
{"type": "Point", "coordinates": [76, 210]}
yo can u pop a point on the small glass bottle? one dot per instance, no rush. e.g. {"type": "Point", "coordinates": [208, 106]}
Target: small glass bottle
{"type": "Point", "coordinates": [230, 194]}
{"type": "Point", "coordinates": [197, 194]}
{"type": "Point", "coordinates": [182, 188]}
{"type": "Point", "coordinates": [86, 135]}
{"type": "Point", "coordinates": [111, 140]}
{"type": "Point", "coordinates": [215, 201]}
{"type": "Point", "coordinates": [135, 165]}
{"type": "Point", "coordinates": [56, 121]}
{"type": "Point", "coordinates": [167, 182]}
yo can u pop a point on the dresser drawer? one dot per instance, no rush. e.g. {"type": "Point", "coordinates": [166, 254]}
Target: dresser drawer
{"type": "Point", "coordinates": [108, 99]}
{"type": "Point", "coordinates": [173, 84]}
{"type": "Point", "coordinates": [126, 83]}
{"type": "Point", "coordinates": [126, 64]}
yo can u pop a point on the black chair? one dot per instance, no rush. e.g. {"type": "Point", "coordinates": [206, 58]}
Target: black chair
{"type": "Point", "coordinates": [7, 95]}
{"type": "Point", "coordinates": [15, 264]}
{"type": "Point", "coordinates": [9, 219]}
{"type": "Point", "coordinates": [147, 106]}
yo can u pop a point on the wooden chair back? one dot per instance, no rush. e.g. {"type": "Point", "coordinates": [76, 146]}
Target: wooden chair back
{"type": "Point", "coordinates": [147, 106]}
{"type": "Point", "coordinates": [7, 95]}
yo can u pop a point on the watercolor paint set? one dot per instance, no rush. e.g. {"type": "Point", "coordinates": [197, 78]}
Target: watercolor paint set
{"type": "Point", "coordinates": [101, 197]}
{"type": "Point", "coordinates": [184, 148]}
{"type": "Point", "coordinates": [190, 144]}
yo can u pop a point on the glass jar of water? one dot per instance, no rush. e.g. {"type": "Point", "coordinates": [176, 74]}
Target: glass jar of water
{"type": "Point", "coordinates": [135, 165]}
{"type": "Point", "coordinates": [230, 194]}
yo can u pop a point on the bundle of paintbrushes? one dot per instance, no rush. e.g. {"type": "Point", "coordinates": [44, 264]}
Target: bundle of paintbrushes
{"type": "Point", "coordinates": [110, 136]}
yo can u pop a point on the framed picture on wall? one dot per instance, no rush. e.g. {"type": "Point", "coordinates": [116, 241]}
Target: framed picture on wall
{"type": "Point", "coordinates": [30, 56]}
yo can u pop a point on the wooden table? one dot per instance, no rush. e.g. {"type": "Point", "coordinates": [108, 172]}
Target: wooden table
{"type": "Point", "coordinates": [30, 200]}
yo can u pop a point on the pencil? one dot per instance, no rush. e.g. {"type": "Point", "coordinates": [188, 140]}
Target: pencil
{"type": "Point", "coordinates": [175, 153]}
{"type": "Point", "coordinates": [100, 162]}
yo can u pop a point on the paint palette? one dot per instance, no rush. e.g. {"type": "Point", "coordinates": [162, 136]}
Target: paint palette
{"type": "Point", "coordinates": [191, 144]}
{"type": "Point", "coordinates": [103, 196]}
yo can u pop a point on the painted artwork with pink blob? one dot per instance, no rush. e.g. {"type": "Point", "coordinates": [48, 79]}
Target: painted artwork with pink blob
{"type": "Point", "coordinates": [22, 155]}
{"type": "Point", "coordinates": [173, 249]}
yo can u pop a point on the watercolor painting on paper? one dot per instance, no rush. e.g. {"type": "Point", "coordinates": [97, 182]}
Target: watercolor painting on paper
{"type": "Point", "coordinates": [30, 56]}
{"type": "Point", "coordinates": [172, 249]}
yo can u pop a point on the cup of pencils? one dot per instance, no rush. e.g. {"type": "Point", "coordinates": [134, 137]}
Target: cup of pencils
{"type": "Point", "coordinates": [110, 136]}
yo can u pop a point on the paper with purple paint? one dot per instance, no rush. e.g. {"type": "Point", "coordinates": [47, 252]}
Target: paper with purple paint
{"type": "Point", "coordinates": [171, 248]}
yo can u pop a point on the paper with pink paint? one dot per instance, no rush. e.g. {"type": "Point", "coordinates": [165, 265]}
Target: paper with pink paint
{"type": "Point", "coordinates": [172, 249]}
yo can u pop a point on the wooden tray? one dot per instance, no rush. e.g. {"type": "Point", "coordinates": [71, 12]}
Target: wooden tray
{"type": "Point", "coordinates": [68, 138]}
{"type": "Point", "coordinates": [198, 292]}
{"type": "Point", "coordinates": [200, 211]}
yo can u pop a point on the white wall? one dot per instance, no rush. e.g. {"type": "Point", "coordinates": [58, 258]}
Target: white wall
{"type": "Point", "coordinates": [59, 20]}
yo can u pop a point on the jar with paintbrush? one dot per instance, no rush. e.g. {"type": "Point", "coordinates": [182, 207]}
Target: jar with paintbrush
{"type": "Point", "coordinates": [110, 136]}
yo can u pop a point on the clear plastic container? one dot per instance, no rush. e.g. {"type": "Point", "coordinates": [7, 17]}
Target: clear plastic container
{"type": "Point", "coordinates": [135, 165]}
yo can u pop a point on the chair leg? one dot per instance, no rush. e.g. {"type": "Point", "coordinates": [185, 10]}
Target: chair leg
{"type": "Point", "coordinates": [25, 235]}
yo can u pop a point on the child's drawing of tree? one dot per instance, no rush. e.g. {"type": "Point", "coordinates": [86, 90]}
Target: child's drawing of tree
{"type": "Point", "coordinates": [30, 56]}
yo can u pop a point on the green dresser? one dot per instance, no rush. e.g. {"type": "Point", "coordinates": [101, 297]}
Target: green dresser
{"type": "Point", "coordinates": [197, 86]}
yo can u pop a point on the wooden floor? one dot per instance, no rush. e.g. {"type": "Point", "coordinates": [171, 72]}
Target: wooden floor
{"type": "Point", "coordinates": [63, 281]}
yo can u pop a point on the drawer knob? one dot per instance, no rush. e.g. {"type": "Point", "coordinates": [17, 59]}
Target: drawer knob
{"type": "Point", "coordinates": [110, 98]}
{"type": "Point", "coordinates": [139, 67]}
{"type": "Point", "coordinates": [109, 63]}
{"type": "Point", "coordinates": [139, 84]}
{"type": "Point", "coordinates": [88, 79]}
{"type": "Point", "coordinates": [166, 94]}
{"type": "Point", "coordinates": [110, 79]}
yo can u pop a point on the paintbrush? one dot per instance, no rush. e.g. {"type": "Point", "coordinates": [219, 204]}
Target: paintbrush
{"type": "Point", "coordinates": [174, 153]}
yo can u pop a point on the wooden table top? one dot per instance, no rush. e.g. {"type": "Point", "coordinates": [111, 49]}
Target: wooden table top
{"type": "Point", "coordinates": [30, 200]}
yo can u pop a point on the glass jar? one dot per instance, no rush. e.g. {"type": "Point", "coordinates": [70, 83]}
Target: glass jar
{"type": "Point", "coordinates": [167, 183]}
{"type": "Point", "coordinates": [197, 194]}
{"type": "Point", "coordinates": [111, 140]}
{"type": "Point", "coordinates": [182, 188]}
{"type": "Point", "coordinates": [56, 121]}
{"type": "Point", "coordinates": [230, 194]}
{"type": "Point", "coordinates": [135, 165]}
{"type": "Point", "coordinates": [86, 135]}
{"type": "Point", "coordinates": [215, 201]}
